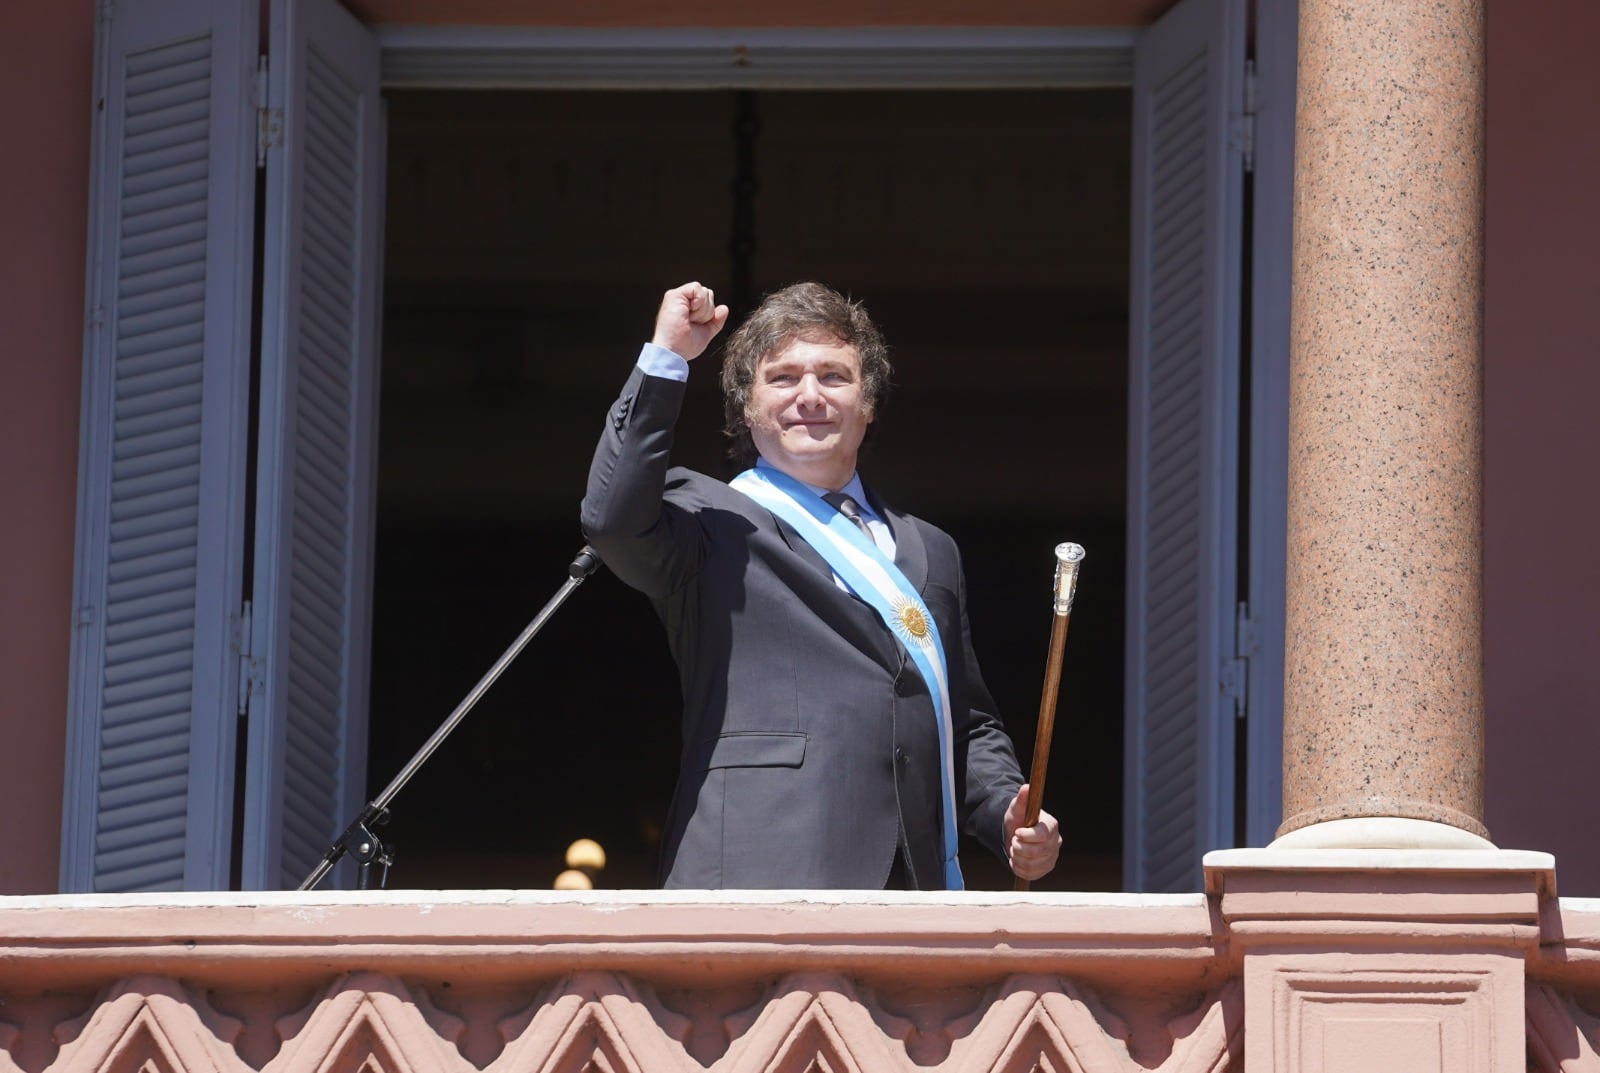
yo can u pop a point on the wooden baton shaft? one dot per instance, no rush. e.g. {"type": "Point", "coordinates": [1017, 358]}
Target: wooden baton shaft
{"type": "Point", "coordinates": [1068, 556]}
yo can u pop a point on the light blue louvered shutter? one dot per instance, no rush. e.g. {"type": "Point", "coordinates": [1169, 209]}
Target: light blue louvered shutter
{"type": "Point", "coordinates": [321, 273]}
{"type": "Point", "coordinates": [1183, 443]}
{"type": "Point", "coordinates": [154, 688]}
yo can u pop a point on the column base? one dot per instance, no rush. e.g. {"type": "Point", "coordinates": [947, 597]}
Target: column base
{"type": "Point", "coordinates": [1380, 832]}
{"type": "Point", "coordinates": [1358, 959]}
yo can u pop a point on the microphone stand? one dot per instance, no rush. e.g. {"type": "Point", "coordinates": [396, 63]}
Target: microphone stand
{"type": "Point", "coordinates": [358, 839]}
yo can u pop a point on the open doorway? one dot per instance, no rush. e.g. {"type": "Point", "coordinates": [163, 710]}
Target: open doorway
{"type": "Point", "coordinates": [528, 238]}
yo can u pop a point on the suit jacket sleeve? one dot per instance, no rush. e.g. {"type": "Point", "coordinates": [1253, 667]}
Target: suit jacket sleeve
{"type": "Point", "coordinates": [652, 544]}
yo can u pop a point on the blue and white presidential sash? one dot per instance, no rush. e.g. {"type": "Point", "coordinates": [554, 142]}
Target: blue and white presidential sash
{"type": "Point", "coordinates": [872, 576]}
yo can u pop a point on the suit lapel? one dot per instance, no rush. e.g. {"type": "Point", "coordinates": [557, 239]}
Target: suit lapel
{"type": "Point", "coordinates": [801, 547]}
{"type": "Point", "coordinates": [910, 556]}
{"type": "Point", "coordinates": [853, 618]}
{"type": "Point", "coordinates": [910, 553]}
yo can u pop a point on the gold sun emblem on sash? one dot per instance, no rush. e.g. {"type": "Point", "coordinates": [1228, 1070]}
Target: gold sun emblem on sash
{"type": "Point", "coordinates": [910, 623]}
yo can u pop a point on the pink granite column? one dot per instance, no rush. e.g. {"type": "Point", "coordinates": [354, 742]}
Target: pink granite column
{"type": "Point", "coordinates": [1383, 706]}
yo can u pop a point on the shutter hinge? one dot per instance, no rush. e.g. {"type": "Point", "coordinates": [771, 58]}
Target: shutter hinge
{"type": "Point", "coordinates": [1243, 134]}
{"type": "Point", "coordinates": [248, 672]}
{"type": "Point", "coordinates": [1231, 684]}
{"type": "Point", "coordinates": [269, 121]}
{"type": "Point", "coordinates": [1236, 670]}
{"type": "Point", "coordinates": [105, 10]}
{"type": "Point", "coordinates": [1245, 637]}
{"type": "Point", "coordinates": [83, 616]}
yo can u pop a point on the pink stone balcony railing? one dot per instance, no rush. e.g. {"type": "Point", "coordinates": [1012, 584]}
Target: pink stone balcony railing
{"type": "Point", "coordinates": [1323, 962]}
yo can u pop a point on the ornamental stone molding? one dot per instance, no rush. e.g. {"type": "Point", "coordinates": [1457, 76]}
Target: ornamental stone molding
{"type": "Point", "coordinates": [367, 1022]}
{"type": "Point", "coordinates": [145, 1024]}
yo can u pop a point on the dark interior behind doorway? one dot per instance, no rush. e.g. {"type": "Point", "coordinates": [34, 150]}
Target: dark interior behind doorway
{"type": "Point", "coordinates": [528, 238]}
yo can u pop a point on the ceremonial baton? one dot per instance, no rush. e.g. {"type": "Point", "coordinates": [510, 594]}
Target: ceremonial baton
{"type": "Point", "coordinates": [1068, 558]}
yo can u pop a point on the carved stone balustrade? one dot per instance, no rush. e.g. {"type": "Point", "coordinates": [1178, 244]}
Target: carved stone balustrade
{"type": "Point", "coordinates": [1278, 966]}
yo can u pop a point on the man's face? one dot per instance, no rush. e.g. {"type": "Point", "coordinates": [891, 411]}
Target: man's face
{"type": "Point", "coordinates": [806, 412]}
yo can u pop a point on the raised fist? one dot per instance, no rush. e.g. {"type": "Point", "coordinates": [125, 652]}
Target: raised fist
{"type": "Point", "coordinates": [688, 320]}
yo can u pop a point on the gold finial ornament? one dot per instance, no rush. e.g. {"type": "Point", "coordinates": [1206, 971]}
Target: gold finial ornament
{"type": "Point", "coordinates": [572, 879]}
{"type": "Point", "coordinates": [586, 853]}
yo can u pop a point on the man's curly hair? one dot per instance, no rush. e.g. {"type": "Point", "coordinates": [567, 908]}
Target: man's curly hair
{"type": "Point", "coordinates": [800, 311]}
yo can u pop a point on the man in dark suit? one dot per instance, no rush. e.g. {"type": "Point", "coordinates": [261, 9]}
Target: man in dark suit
{"type": "Point", "coordinates": [837, 731]}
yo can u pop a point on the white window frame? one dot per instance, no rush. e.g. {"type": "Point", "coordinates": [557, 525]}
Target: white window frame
{"type": "Point", "coordinates": [475, 57]}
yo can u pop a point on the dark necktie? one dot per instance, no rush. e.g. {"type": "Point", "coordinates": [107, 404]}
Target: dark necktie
{"type": "Point", "coordinates": [848, 507]}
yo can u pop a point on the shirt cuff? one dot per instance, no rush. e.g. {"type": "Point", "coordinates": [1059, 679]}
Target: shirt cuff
{"type": "Point", "coordinates": [659, 361]}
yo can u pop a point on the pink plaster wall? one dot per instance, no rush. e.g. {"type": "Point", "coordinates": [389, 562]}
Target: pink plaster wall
{"type": "Point", "coordinates": [1542, 436]}
{"type": "Point", "coordinates": [46, 60]}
